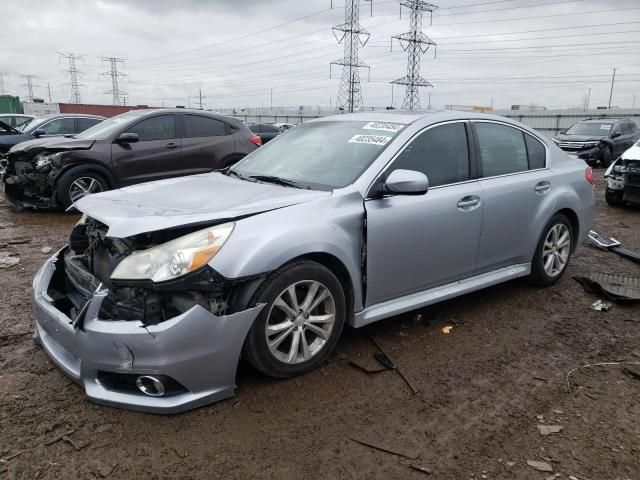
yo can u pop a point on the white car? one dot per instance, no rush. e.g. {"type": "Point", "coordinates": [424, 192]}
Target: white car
{"type": "Point", "coordinates": [623, 178]}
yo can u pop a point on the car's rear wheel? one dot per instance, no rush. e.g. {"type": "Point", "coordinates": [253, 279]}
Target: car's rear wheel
{"type": "Point", "coordinates": [553, 252]}
{"type": "Point", "coordinates": [614, 197]}
{"type": "Point", "coordinates": [300, 323]}
{"type": "Point", "coordinates": [75, 185]}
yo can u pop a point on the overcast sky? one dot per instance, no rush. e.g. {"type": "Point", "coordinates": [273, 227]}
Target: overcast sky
{"type": "Point", "coordinates": [544, 52]}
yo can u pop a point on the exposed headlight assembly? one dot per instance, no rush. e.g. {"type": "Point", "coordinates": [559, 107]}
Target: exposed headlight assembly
{"type": "Point", "coordinates": [174, 258]}
{"type": "Point", "coordinates": [42, 162]}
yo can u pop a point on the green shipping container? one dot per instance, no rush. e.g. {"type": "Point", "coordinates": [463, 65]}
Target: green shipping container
{"type": "Point", "coordinates": [10, 104]}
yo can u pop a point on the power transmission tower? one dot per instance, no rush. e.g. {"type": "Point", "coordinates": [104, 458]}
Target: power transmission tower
{"type": "Point", "coordinates": [73, 76]}
{"type": "Point", "coordinates": [2, 90]}
{"type": "Point", "coordinates": [352, 35]}
{"type": "Point", "coordinates": [29, 85]}
{"type": "Point", "coordinates": [415, 43]}
{"type": "Point", "coordinates": [115, 75]}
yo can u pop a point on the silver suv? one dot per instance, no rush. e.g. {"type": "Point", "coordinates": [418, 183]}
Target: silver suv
{"type": "Point", "coordinates": [344, 220]}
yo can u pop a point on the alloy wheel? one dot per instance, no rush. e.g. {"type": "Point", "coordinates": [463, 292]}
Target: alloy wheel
{"type": "Point", "coordinates": [82, 187]}
{"type": "Point", "coordinates": [556, 249]}
{"type": "Point", "coordinates": [300, 321]}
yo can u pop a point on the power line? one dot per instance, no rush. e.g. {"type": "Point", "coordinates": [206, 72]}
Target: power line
{"type": "Point", "coordinates": [2, 90]}
{"type": "Point", "coordinates": [73, 76]}
{"type": "Point", "coordinates": [351, 34]}
{"type": "Point", "coordinates": [116, 93]}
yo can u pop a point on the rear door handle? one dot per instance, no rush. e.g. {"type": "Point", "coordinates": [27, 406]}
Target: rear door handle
{"type": "Point", "coordinates": [469, 202]}
{"type": "Point", "coordinates": [542, 187]}
{"type": "Point", "coordinates": [171, 145]}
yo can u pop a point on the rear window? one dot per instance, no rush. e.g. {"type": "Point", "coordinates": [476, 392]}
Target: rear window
{"type": "Point", "coordinates": [196, 126]}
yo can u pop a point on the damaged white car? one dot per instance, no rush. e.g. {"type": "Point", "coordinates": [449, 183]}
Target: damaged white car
{"type": "Point", "coordinates": [344, 220]}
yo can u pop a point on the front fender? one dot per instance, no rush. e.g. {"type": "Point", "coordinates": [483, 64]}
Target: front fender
{"type": "Point", "coordinates": [263, 243]}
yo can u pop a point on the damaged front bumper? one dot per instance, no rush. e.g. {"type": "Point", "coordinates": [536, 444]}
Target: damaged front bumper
{"type": "Point", "coordinates": [195, 353]}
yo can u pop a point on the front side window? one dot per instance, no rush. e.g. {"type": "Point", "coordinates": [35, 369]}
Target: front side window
{"type": "Point", "coordinates": [502, 149]}
{"type": "Point", "coordinates": [441, 153]}
{"type": "Point", "coordinates": [322, 155]}
{"type": "Point", "coordinates": [617, 130]}
{"type": "Point", "coordinates": [196, 126]}
{"type": "Point", "coordinates": [162, 127]}
{"type": "Point", "coordinates": [61, 126]}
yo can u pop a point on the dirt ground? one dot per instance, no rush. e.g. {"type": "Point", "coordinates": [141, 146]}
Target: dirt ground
{"type": "Point", "coordinates": [483, 390]}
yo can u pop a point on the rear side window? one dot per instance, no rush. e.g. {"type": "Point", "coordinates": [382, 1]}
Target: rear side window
{"type": "Point", "coordinates": [162, 127]}
{"type": "Point", "coordinates": [441, 153]}
{"type": "Point", "coordinates": [84, 123]}
{"type": "Point", "coordinates": [502, 149]}
{"type": "Point", "coordinates": [60, 126]}
{"type": "Point", "coordinates": [196, 126]}
{"type": "Point", "coordinates": [536, 152]}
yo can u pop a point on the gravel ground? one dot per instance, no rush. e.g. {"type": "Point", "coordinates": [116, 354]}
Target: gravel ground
{"type": "Point", "coordinates": [484, 389]}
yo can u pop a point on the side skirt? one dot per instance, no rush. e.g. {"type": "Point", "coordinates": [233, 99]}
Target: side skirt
{"type": "Point", "coordinates": [417, 300]}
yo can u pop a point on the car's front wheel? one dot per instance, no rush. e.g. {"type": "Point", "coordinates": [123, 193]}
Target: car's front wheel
{"type": "Point", "coordinates": [614, 197]}
{"type": "Point", "coordinates": [553, 252]}
{"type": "Point", "coordinates": [301, 322]}
{"type": "Point", "coordinates": [605, 160]}
{"type": "Point", "coordinates": [75, 185]}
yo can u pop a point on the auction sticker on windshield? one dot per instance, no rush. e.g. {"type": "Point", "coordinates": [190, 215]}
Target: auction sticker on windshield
{"type": "Point", "coordinates": [370, 139]}
{"type": "Point", "coordinates": [385, 126]}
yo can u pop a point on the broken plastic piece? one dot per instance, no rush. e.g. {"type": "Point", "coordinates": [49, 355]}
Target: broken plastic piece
{"type": "Point", "coordinates": [618, 288]}
{"type": "Point", "coordinates": [600, 306]}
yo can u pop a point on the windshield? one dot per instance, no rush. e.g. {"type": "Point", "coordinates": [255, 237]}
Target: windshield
{"type": "Point", "coordinates": [322, 155]}
{"type": "Point", "coordinates": [23, 126]}
{"type": "Point", "coordinates": [590, 129]}
{"type": "Point", "coordinates": [108, 128]}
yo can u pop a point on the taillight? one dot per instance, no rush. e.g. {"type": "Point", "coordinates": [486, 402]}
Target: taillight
{"type": "Point", "coordinates": [588, 174]}
{"type": "Point", "coordinates": [257, 140]}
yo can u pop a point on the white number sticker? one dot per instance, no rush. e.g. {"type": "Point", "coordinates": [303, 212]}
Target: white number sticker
{"type": "Point", "coordinates": [385, 126]}
{"type": "Point", "coordinates": [370, 139]}
{"type": "Point", "coordinates": [605, 127]}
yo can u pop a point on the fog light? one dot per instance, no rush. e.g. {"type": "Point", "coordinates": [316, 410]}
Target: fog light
{"type": "Point", "coordinates": [149, 385]}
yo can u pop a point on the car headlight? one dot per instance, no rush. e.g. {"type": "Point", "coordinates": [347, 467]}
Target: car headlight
{"type": "Point", "coordinates": [43, 162]}
{"type": "Point", "coordinates": [174, 258]}
{"type": "Point", "coordinates": [591, 144]}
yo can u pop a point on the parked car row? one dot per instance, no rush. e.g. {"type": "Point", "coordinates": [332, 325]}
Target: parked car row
{"type": "Point", "coordinates": [344, 220]}
{"type": "Point", "coordinates": [134, 147]}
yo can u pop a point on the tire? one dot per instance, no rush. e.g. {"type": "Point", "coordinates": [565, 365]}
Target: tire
{"type": "Point", "coordinates": [614, 197]}
{"type": "Point", "coordinates": [605, 160]}
{"type": "Point", "coordinates": [287, 358]}
{"type": "Point", "coordinates": [544, 277]}
{"type": "Point", "coordinates": [92, 180]}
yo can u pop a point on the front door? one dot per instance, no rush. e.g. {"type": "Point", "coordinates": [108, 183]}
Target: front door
{"type": "Point", "coordinates": [156, 155]}
{"type": "Point", "coordinates": [418, 242]}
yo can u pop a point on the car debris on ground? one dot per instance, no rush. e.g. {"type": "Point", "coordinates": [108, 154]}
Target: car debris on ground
{"type": "Point", "coordinates": [617, 288]}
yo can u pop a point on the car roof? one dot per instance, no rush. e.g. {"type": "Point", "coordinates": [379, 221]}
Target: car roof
{"type": "Point", "coordinates": [79, 115]}
{"type": "Point", "coordinates": [408, 117]}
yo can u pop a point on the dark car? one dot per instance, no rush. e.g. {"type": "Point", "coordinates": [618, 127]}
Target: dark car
{"type": "Point", "coordinates": [49, 126]}
{"type": "Point", "coordinates": [265, 131]}
{"type": "Point", "coordinates": [599, 140]}
{"type": "Point", "coordinates": [135, 147]}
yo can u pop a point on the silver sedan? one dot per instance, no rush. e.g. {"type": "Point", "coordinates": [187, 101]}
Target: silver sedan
{"type": "Point", "coordinates": [344, 220]}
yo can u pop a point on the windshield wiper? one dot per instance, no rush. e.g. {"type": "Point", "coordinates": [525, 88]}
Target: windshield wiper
{"type": "Point", "coordinates": [240, 176]}
{"type": "Point", "coordinates": [277, 180]}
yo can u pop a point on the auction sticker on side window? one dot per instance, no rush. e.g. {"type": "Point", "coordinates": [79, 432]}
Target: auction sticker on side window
{"type": "Point", "coordinates": [605, 127]}
{"type": "Point", "coordinates": [370, 139]}
{"type": "Point", "coordinates": [385, 126]}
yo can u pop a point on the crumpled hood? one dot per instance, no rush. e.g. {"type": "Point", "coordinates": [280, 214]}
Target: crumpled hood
{"type": "Point", "coordinates": [54, 144]}
{"type": "Point", "coordinates": [632, 154]}
{"type": "Point", "coordinates": [187, 200]}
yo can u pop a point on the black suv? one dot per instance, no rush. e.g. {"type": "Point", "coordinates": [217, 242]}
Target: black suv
{"type": "Point", "coordinates": [134, 147]}
{"type": "Point", "coordinates": [599, 140]}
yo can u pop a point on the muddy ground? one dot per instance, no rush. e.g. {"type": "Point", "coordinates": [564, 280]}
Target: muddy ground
{"type": "Point", "coordinates": [484, 388]}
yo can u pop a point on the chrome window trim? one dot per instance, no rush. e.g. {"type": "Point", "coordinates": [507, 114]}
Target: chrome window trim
{"type": "Point", "coordinates": [407, 143]}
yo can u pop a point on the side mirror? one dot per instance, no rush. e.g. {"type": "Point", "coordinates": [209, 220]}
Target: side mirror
{"type": "Point", "coordinates": [38, 133]}
{"type": "Point", "coordinates": [128, 138]}
{"type": "Point", "coordinates": [406, 182]}
{"type": "Point", "coordinates": [615, 134]}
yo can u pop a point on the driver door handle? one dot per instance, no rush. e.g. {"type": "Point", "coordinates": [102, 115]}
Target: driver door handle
{"type": "Point", "coordinates": [469, 202]}
{"type": "Point", "coordinates": [171, 145]}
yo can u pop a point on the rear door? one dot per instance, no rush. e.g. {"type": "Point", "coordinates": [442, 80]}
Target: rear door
{"type": "Point", "coordinates": [207, 144]}
{"type": "Point", "coordinates": [516, 184]}
{"type": "Point", "coordinates": [418, 242]}
{"type": "Point", "coordinates": [156, 155]}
